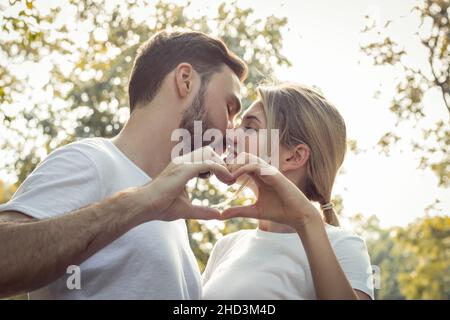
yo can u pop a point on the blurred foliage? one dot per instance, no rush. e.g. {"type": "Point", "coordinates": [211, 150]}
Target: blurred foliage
{"type": "Point", "coordinates": [6, 191]}
{"type": "Point", "coordinates": [428, 275]}
{"type": "Point", "coordinates": [416, 82]}
{"type": "Point", "coordinates": [414, 261]}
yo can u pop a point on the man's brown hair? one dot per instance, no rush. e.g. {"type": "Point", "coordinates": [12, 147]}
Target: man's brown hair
{"type": "Point", "coordinates": [164, 51]}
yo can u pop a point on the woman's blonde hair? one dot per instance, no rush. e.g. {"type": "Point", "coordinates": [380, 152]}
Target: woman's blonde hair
{"type": "Point", "coordinates": [302, 115]}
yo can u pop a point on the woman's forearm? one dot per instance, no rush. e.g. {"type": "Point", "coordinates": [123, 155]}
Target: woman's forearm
{"type": "Point", "coordinates": [330, 281]}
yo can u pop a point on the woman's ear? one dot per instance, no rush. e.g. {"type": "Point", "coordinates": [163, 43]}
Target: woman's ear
{"type": "Point", "coordinates": [295, 158]}
{"type": "Point", "coordinates": [184, 74]}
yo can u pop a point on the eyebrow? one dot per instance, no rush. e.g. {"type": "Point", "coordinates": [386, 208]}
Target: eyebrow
{"type": "Point", "coordinates": [251, 117]}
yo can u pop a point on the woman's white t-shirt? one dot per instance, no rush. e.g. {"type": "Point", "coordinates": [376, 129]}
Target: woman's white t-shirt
{"type": "Point", "coordinates": [256, 264]}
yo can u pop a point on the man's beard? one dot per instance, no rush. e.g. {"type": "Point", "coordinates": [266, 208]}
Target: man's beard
{"type": "Point", "coordinates": [196, 112]}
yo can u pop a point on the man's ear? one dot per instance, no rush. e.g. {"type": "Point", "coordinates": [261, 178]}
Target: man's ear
{"type": "Point", "coordinates": [184, 74]}
{"type": "Point", "coordinates": [295, 158]}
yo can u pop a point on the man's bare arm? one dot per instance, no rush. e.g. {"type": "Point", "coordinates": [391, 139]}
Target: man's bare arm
{"type": "Point", "coordinates": [35, 252]}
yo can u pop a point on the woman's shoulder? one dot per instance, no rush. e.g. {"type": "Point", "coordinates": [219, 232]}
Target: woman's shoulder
{"type": "Point", "coordinates": [351, 251]}
{"type": "Point", "coordinates": [338, 234]}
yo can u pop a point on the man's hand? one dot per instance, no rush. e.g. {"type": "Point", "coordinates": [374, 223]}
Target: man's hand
{"type": "Point", "coordinates": [166, 195]}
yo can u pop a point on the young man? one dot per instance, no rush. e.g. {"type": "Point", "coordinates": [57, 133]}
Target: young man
{"type": "Point", "coordinates": [117, 207]}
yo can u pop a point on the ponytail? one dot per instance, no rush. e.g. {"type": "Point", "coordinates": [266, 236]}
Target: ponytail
{"type": "Point", "coordinates": [331, 217]}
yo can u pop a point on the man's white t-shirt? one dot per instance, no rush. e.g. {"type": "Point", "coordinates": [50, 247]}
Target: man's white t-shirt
{"type": "Point", "coordinates": [151, 261]}
{"type": "Point", "coordinates": [260, 265]}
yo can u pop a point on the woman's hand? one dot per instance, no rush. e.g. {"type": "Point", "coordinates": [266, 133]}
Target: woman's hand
{"type": "Point", "coordinates": [278, 200]}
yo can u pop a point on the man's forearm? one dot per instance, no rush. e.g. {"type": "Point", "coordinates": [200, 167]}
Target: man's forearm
{"type": "Point", "coordinates": [35, 252]}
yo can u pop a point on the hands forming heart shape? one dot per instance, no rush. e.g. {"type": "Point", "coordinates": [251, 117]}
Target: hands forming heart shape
{"type": "Point", "coordinates": [278, 199]}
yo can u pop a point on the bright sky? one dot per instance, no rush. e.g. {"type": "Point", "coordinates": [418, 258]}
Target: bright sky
{"type": "Point", "coordinates": [322, 41]}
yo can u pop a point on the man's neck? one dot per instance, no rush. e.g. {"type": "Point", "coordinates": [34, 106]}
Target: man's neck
{"type": "Point", "coordinates": [145, 139]}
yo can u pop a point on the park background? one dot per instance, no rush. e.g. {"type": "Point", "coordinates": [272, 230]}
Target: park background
{"type": "Point", "coordinates": [64, 67]}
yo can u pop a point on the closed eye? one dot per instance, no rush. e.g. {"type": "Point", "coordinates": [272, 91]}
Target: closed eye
{"type": "Point", "coordinates": [247, 128]}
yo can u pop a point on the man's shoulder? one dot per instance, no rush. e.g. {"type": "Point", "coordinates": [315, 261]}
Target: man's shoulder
{"type": "Point", "coordinates": [97, 150]}
{"type": "Point", "coordinates": [67, 179]}
{"type": "Point", "coordinates": [86, 146]}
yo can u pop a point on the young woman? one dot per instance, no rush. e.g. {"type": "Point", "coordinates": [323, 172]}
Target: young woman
{"type": "Point", "coordinates": [297, 252]}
